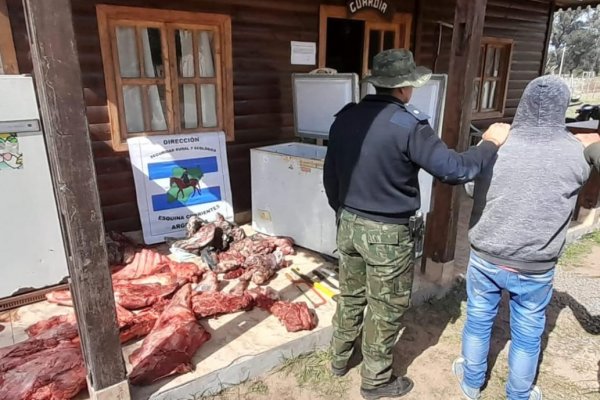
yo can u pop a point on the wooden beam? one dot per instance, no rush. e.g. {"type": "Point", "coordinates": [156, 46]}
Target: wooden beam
{"type": "Point", "coordinates": [60, 93]}
{"type": "Point", "coordinates": [8, 55]}
{"type": "Point", "coordinates": [442, 222]}
{"type": "Point", "coordinates": [552, 7]}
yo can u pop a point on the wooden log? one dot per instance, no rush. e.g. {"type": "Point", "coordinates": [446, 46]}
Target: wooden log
{"type": "Point", "coordinates": [442, 222]}
{"type": "Point", "coordinates": [58, 77]}
{"type": "Point", "coordinates": [7, 45]}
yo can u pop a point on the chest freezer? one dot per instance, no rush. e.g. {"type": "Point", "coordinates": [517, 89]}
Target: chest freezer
{"type": "Point", "coordinates": [288, 196]}
{"type": "Point", "coordinates": [32, 253]}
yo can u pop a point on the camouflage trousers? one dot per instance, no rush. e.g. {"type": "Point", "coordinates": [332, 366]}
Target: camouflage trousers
{"type": "Point", "coordinates": [376, 275]}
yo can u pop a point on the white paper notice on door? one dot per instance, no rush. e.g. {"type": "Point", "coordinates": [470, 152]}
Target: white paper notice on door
{"type": "Point", "coordinates": [304, 53]}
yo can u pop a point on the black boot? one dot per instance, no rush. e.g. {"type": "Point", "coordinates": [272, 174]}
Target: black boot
{"type": "Point", "coordinates": [397, 387]}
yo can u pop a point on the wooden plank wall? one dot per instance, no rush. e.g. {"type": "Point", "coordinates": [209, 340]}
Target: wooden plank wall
{"type": "Point", "coordinates": [262, 31]}
{"type": "Point", "coordinates": [524, 21]}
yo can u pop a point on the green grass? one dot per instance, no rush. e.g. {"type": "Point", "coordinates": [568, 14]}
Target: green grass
{"type": "Point", "coordinates": [576, 252]}
{"type": "Point", "coordinates": [258, 387]}
{"type": "Point", "coordinates": [312, 371]}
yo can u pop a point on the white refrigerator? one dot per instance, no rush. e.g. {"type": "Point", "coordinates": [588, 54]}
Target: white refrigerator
{"type": "Point", "coordinates": [32, 253]}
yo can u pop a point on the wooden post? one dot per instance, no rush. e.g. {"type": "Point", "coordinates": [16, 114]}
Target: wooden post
{"type": "Point", "coordinates": [551, 8]}
{"type": "Point", "coordinates": [466, 40]}
{"type": "Point", "coordinates": [8, 56]}
{"type": "Point", "coordinates": [60, 94]}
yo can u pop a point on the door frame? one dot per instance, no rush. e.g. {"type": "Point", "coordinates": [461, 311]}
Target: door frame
{"type": "Point", "coordinates": [328, 11]}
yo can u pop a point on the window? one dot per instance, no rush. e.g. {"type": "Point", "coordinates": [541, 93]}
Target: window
{"type": "Point", "coordinates": [166, 72]}
{"type": "Point", "coordinates": [490, 86]}
{"type": "Point", "coordinates": [8, 57]}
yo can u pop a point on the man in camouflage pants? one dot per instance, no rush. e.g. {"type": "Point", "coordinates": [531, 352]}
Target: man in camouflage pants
{"type": "Point", "coordinates": [376, 149]}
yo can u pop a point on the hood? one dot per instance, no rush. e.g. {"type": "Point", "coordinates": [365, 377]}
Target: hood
{"type": "Point", "coordinates": [544, 104]}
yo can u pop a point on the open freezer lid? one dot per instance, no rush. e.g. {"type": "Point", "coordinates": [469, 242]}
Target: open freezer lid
{"type": "Point", "coordinates": [429, 98]}
{"type": "Point", "coordinates": [317, 98]}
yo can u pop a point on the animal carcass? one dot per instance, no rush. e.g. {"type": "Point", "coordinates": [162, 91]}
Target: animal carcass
{"type": "Point", "coordinates": [54, 373]}
{"type": "Point", "coordinates": [294, 316]}
{"type": "Point", "coordinates": [146, 262]}
{"type": "Point", "coordinates": [142, 323]}
{"type": "Point", "coordinates": [134, 297]}
{"type": "Point", "coordinates": [210, 304]}
{"type": "Point", "coordinates": [169, 347]}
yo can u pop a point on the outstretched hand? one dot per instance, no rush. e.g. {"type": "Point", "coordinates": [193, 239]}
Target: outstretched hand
{"type": "Point", "coordinates": [588, 138]}
{"type": "Point", "coordinates": [497, 133]}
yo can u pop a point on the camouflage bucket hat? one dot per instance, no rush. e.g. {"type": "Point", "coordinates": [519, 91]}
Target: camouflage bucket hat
{"type": "Point", "coordinates": [396, 68]}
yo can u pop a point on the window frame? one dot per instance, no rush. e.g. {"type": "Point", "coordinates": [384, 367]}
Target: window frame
{"type": "Point", "coordinates": [8, 55]}
{"type": "Point", "coordinates": [168, 21]}
{"type": "Point", "coordinates": [503, 78]}
{"type": "Point", "coordinates": [401, 22]}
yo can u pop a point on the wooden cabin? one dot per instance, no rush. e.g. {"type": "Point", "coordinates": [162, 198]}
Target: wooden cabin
{"type": "Point", "coordinates": [166, 67]}
{"type": "Point", "coordinates": [161, 67]}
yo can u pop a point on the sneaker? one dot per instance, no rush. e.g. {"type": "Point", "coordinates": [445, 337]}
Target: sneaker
{"type": "Point", "coordinates": [339, 372]}
{"type": "Point", "coordinates": [536, 394]}
{"type": "Point", "coordinates": [458, 369]}
{"type": "Point", "coordinates": [397, 387]}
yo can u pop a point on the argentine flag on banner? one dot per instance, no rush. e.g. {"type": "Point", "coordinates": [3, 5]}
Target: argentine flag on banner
{"type": "Point", "coordinates": [178, 176]}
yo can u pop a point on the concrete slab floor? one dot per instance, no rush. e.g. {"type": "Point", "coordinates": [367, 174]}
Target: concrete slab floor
{"type": "Point", "coordinates": [243, 345]}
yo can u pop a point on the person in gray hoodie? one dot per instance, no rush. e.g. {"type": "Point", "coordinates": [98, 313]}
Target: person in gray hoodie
{"type": "Point", "coordinates": [523, 204]}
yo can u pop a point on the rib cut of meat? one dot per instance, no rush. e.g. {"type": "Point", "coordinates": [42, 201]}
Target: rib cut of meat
{"type": "Point", "coordinates": [142, 323]}
{"type": "Point", "coordinates": [134, 297]}
{"type": "Point", "coordinates": [171, 344]}
{"type": "Point", "coordinates": [127, 295]}
{"type": "Point", "coordinates": [17, 354]}
{"type": "Point", "coordinates": [55, 373]}
{"type": "Point", "coordinates": [61, 297]}
{"type": "Point", "coordinates": [123, 318]}
{"type": "Point", "coordinates": [165, 279]}
{"type": "Point", "coordinates": [294, 316]}
{"type": "Point", "coordinates": [211, 304]}
{"type": "Point", "coordinates": [146, 262]}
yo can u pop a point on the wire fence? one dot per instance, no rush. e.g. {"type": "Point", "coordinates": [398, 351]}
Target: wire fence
{"type": "Point", "coordinates": [585, 88]}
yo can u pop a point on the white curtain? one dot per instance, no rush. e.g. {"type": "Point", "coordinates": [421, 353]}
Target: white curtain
{"type": "Point", "coordinates": [190, 109]}
{"type": "Point", "coordinates": [130, 68]}
{"type": "Point", "coordinates": [208, 93]}
{"type": "Point", "coordinates": [158, 116]}
{"type": "Point", "coordinates": [128, 56]}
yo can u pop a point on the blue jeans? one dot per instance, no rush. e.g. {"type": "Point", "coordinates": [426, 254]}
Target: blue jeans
{"type": "Point", "coordinates": [529, 297]}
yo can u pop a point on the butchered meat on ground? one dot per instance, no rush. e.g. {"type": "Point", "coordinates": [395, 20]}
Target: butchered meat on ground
{"type": "Point", "coordinates": [169, 347]}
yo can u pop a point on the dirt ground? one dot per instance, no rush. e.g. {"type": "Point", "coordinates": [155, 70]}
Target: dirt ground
{"type": "Point", "coordinates": [431, 337]}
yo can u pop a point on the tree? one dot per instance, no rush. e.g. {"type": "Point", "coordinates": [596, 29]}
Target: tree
{"type": "Point", "coordinates": [578, 33]}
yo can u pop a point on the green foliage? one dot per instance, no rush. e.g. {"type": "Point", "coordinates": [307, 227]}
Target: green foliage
{"type": "Point", "coordinates": [577, 31]}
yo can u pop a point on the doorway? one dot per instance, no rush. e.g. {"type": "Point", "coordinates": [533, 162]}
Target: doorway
{"type": "Point", "coordinates": [349, 43]}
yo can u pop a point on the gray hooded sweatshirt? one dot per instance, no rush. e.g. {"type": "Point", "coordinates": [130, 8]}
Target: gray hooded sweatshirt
{"type": "Point", "coordinates": [524, 201]}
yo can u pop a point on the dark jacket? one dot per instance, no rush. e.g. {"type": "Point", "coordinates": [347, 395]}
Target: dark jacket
{"type": "Point", "coordinates": [592, 154]}
{"type": "Point", "coordinates": [376, 149]}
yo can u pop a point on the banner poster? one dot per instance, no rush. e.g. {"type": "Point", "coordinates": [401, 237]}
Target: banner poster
{"type": "Point", "coordinates": [178, 176]}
